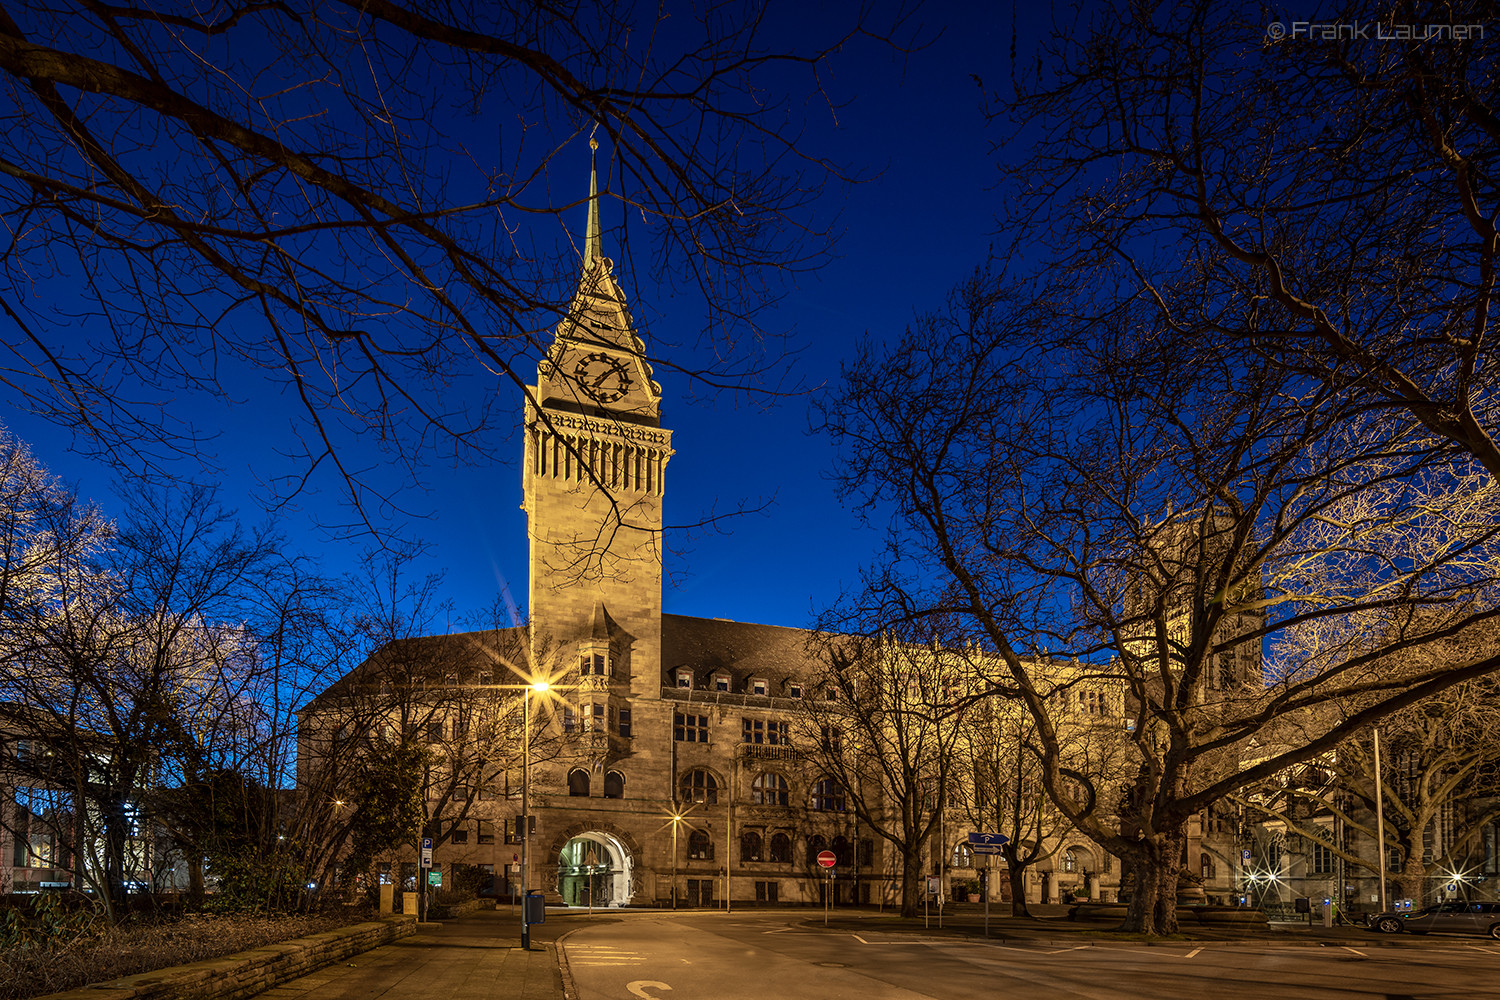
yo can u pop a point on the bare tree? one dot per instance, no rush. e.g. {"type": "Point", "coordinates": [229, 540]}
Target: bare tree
{"type": "Point", "coordinates": [881, 727]}
{"type": "Point", "coordinates": [352, 200]}
{"type": "Point", "coordinates": [1164, 512]}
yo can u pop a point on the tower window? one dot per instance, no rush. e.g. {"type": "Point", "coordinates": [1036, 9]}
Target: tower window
{"type": "Point", "coordinates": [624, 723]}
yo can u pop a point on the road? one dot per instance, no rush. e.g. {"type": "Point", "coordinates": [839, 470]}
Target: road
{"type": "Point", "coordinates": [776, 955]}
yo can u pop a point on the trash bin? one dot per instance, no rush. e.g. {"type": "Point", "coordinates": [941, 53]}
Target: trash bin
{"type": "Point", "coordinates": [535, 908]}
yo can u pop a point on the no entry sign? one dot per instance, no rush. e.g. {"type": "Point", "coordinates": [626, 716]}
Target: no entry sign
{"type": "Point", "coordinates": [826, 859]}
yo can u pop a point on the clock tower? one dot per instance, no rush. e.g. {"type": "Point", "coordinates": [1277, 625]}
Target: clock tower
{"type": "Point", "coordinates": [595, 462]}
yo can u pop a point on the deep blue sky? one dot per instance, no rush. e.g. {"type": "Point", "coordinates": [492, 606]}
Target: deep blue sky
{"type": "Point", "coordinates": [910, 233]}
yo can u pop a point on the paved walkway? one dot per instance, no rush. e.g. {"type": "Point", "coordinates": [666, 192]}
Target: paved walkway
{"type": "Point", "coordinates": [475, 957]}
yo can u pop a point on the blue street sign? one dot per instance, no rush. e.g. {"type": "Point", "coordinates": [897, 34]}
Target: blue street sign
{"type": "Point", "coordinates": [426, 843]}
{"type": "Point", "coordinates": [988, 839]}
{"type": "Point", "coordinates": [984, 848]}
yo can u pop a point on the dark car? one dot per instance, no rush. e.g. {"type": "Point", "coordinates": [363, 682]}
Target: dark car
{"type": "Point", "coordinates": [1452, 918]}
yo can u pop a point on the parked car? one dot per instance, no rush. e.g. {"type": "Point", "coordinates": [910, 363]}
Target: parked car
{"type": "Point", "coordinates": [1452, 918]}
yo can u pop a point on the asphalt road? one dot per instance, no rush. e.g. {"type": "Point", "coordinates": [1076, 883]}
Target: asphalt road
{"type": "Point", "coordinates": [784, 955]}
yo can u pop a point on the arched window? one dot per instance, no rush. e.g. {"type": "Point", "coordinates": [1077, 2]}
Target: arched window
{"type": "Point", "coordinates": [770, 789]}
{"type": "Point", "coordinates": [963, 856]}
{"type": "Point", "coordinates": [1206, 864]}
{"type": "Point", "coordinates": [578, 782]}
{"type": "Point", "coordinates": [701, 787]}
{"type": "Point", "coordinates": [1070, 860]}
{"type": "Point", "coordinates": [815, 845]}
{"type": "Point", "coordinates": [750, 846]}
{"type": "Point", "coordinates": [828, 796]}
{"type": "Point", "coordinates": [614, 785]}
{"type": "Point", "coordinates": [781, 848]}
{"type": "Point", "coordinates": [700, 846]}
{"type": "Point", "coordinates": [843, 852]}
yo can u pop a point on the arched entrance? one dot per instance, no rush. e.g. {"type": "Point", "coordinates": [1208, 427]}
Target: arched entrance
{"type": "Point", "coordinates": [593, 869]}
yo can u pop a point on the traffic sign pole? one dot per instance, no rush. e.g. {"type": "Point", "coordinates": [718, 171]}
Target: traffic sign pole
{"type": "Point", "coordinates": [827, 859]}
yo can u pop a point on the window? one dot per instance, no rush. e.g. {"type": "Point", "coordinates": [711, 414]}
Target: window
{"type": "Point", "coordinates": [460, 834]}
{"type": "Point", "coordinates": [781, 849]}
{"type": "Point", "coordinates": [759, 731]}
{"type": "Point", "coordinates": [721, 682]}
{"type": "Point", "coordinates": [1208, 869]}
{"type": "Point", "coordinates": [1070, 860]}
{"type": "Point", "coordinates": [963, 856]}
{"type": "Point", "coordinates": [794, 690]}
{"type": "Point", "coordinates": [832, 739]}
{"type": "Point", "coordinates": [568, 720]}
{"type": "Point", "coordinates": [614, 785]}
{"type": "Point", "coordinates": [750, 845]}
{"type": "Point", "coordinates": [700, 847]}
{"type": "Point", "coordinates": [593, 663]}
{"type": "Point", "coordinates": [684, 677]}
{"type": "Point", "coordinates": [594, 718]}
{"type": "Point", "coordinates": [512, 832]}
{"type": "Point", "coordinates": [758, 686]}
{"type": "Point", "coordinates": [768, 892]}
{"type": "Point", "coordinates": [624, 723]}
{"type": "Point", "coordinates": [769, 789]}
{"type": "Point", "coordinates": [699, 786]}
{"type": "Point", "coordinates": [689, 728]}
{"type": "Point", "coordinates": [866, 852]}
{"type": "Point", "coordinates": [828, 796]}
{"type": "Point", "coordinates": [578, 782]}
{"type": "Point", "coordinates": [486, 832]}
{"type": "Point", "coordinates": [460, 793]}
{"type": "Point", "coordinates": [1322, 859]}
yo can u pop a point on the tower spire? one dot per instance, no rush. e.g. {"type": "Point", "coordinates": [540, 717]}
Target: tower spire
{"type": "Point", "coordinates": [592, 243]}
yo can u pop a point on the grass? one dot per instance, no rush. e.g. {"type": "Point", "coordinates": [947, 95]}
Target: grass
{"type": "Point", "coordinates": [144, 946]}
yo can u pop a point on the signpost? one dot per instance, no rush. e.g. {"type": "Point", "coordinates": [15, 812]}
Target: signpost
{"type": "Point", "coordinates": [426, 865]}
{"type": "Point", "coordinates": [827, 859]}
{"type": "Point", "coordinates": [985, 844]}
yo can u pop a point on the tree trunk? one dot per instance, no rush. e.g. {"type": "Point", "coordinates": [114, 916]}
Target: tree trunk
{"type": "Point", "coordinates": [1018, 907]}
{"type": "Point", "coordinates": [1157, 866]}
{"type": "Point", "coordinates": [913, 882]}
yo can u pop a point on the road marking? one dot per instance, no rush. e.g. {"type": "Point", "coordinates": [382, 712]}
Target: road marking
{"type": "Point", "coordinates": [1356, 951]}
{"type": "Point", "coordinates": [860, 939]}
{"type": "Point", "coordinates": [640, 986]}
{"type": "Point", "coordinates": [1192, 953]}
{"type": "Point", "coordinates": [1074, 948]}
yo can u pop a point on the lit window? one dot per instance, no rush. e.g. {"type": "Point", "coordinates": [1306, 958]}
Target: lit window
{"type": "Point", "coordinates": [1069, 861]}
{"type": "Point", "coordinates": [963, 856]}
{"type": "Point", "coordinates": [698, 786]}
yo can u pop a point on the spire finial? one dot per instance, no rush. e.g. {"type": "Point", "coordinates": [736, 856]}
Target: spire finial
{"type": "Point", "coordinates": [592, 243]}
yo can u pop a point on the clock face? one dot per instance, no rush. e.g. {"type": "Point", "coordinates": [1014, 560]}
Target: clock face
{"type": "Point", "coordinates": [602, 377]}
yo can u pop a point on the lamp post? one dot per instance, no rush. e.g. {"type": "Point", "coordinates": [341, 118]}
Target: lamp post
{"type": "Point", "coordinates": [1380, 818]}
{"type": "Point", "coordinates": [676, 819]}
{"type": "Point", "coordinates": [540, 687]}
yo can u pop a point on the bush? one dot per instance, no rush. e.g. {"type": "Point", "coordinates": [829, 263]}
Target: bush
{"type": "Point", "coordinates": [146, 945]}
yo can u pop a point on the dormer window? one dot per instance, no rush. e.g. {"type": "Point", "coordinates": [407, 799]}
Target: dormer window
{"type": "Point", "coordinates": [757, 685]}
{"type": "Point", "coordinates": [683, 677]}
{"type": "Point", "coordinates": [794, 689]}
{"type": "Point", "coordinates": [721, 682]}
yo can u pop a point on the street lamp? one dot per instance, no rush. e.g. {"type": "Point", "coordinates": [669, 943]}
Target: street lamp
{"type": "Point", "coordinates": [676, 819]}
{"type": "Point", "coordinates": [541, 687]}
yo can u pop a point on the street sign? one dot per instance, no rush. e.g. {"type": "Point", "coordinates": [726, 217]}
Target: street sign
{"type": "Point", "coordinates": [426, 843]}
{"type": "Point", "coordinates": [1245, 854]}
{"type": "Point", "coordinates": [435, 878]}
{"type": "Point", "coordinates": [827, 859]}
{"type": "Point", "coordinates": [984, 849]}
{"type": "Point", "coordinates": [427, 857]}
{"type": "Point", "coordinates": [988, 839]}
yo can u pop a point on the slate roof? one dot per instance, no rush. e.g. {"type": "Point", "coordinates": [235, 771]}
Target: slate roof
{"type": "Point", "coordinates": [710, 644]}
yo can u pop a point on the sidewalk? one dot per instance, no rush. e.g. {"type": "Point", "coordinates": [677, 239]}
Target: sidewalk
{"type": "Point", "coordinates": [475, 957]}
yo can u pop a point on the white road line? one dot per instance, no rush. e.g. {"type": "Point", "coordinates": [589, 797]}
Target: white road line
{"type": "Point", "coordinates": [1356, 951]}
{"type": "Point", "coordinates": [860, 939]}
{"type": "Point", "coordinates": [1193, 953]}
{"type": "Point", "coordinates": [1074, 948]}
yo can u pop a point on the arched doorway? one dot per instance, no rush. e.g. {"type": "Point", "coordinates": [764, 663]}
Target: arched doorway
{"type": "Point", "coordinates": [593, 869]}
